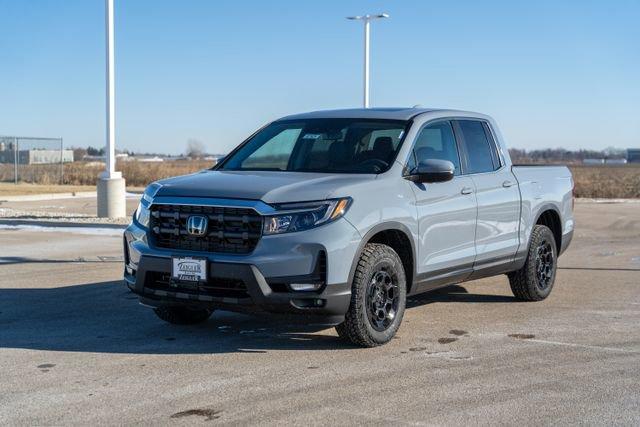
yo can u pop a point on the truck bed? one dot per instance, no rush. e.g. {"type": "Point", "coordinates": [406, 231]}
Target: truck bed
{"type": "Point", "coordinates": [544, 187]}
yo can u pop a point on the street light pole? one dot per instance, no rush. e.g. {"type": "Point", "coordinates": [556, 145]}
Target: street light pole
{"type": "Point", "coordinates": [110, 93]}
{"type": "Point", "coordinates": [111, 185]}
{"type": "Point", "coordinates": [366, 19]}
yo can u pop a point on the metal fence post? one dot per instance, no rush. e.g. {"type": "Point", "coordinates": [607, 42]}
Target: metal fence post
{"type": "Point", "coordinates": [61, 163]}
{"type": "Point", "coordinates": [15, 160]}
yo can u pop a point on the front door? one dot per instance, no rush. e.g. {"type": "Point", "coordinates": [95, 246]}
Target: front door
{"type": "Point", "coordinates": [446, 213]}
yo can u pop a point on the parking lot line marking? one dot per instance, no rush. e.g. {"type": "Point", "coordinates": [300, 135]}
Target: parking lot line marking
{"type": "Point", "coordinates": [593, 347]}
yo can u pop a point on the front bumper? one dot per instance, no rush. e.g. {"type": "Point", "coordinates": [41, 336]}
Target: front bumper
{"type": "Point", "coordinates": [254, 282]}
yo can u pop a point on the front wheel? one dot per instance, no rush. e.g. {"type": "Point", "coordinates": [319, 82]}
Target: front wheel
{"type": "Point", "coordinates": [378, 298]}
{"type": "Point", "coordinates": [534, 281]}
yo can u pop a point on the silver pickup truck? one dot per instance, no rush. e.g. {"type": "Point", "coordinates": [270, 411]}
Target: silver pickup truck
{"type": "Point", "coordinates": [339, 215]}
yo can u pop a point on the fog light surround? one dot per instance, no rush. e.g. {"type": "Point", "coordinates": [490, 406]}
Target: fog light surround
{"type": "Point", "coordinates": [305, 287]}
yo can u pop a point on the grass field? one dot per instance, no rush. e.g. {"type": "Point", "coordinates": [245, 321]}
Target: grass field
{"type": "Point", "coordinates": [598, 181]}
{"type": "Point", "coordinates": [607, 181]}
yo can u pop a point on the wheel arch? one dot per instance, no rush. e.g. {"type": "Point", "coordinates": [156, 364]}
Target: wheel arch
{"type": "Point", "coordinates": [549, 216]}
{"type": "Point", "coordinates": [397, 236]}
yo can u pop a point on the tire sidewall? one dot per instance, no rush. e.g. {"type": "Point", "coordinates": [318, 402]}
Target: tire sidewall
{"type": "Point", "coordinates": [389, 259]}
{"type": "Point", "coordinates": [542, 233]}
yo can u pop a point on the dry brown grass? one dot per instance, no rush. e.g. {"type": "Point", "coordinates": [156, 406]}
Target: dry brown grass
{"type": "Point", "coordinates": [24, 189]}
{"type": "Point", "coordinates": [137, 174]}
{"type": "Point", "coordinates": [591, 181]}
{"type": "Point", "coordinates": [609, 182]}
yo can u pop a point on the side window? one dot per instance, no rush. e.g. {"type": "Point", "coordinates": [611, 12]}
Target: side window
{"type": "Point", "coordinates": [494, 146]}
{"type": "Point", "coordinates": [436, 141]}
{"type": "Point", "coordinates": [481, 155]}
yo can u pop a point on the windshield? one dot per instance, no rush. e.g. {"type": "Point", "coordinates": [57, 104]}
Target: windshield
{"type": "Point", "coordinates": [321, 145]}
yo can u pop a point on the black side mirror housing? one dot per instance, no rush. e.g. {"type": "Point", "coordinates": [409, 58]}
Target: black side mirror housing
{"type": "Point", "coordinates": [432, 170]}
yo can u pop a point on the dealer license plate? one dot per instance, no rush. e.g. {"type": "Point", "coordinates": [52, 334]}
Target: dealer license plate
{"type": "Point", "coordinates": [189, 269]}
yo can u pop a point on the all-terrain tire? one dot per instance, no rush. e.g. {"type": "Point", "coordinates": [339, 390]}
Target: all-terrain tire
{"type": "Point", "coordinates": [363, 325]}
{"type": "Point", "coordinates": [182, 315]}
{"type": "Point", "coordinates": [534, 281]}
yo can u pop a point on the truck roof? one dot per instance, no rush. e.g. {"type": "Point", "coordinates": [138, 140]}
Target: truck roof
{"type": "Point", "coordinates": [400, 113]}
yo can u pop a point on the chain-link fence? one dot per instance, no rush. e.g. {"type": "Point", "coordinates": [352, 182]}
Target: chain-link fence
{"type": "Point", "coordinates": [33, 160]}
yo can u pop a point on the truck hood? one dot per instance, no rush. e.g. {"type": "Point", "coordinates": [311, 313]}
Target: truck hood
{"type": "Point", "coordinates": [268, 186]}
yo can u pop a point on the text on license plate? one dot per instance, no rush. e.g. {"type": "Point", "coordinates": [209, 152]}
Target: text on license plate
{"type": "Point", "coordinates": [189, 269]}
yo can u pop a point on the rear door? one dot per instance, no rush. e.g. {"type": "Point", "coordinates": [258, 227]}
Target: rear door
{"type": "Point", "coordinates": [446, 212]}
{"type": "Point", "coordinates": [497, 194]}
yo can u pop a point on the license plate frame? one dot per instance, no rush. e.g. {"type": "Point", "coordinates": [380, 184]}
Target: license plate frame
{"type": "Point", "coordinates": [189, 269]}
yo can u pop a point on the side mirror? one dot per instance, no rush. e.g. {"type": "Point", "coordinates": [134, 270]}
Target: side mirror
{"type": "Point", "coordinates": [432, 170]}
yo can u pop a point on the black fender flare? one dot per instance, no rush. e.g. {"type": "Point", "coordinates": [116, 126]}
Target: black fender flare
{"type": "Point", "coordinates": [520, 257]}
{"type": "Point", "coordinates": [385, 226]}
{"type": "Point", "coordinates": [547, 207]}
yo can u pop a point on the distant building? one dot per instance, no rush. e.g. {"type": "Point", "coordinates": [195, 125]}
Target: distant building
{"type": "Point", "coordinates": [154, 159]}
{"type": "Point", "coordinates": [593, 161]}
{"type": "Point", "coordinates": [633, 155]}
{"type": "Point", "coordinates": [616, 161]}
{"type": "Point", "coordinates": [36, 157]}
{"type": "Point", "coordinates": [91, 158]}
{"type": "Point", "coordinates": [214, 159]}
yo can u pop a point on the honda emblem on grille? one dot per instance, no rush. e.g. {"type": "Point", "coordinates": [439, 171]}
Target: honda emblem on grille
{"type": "Point", "coordinates": [197, 225]}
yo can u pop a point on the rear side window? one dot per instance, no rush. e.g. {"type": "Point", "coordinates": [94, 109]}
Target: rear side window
{"type": "Point", "coordinates": [436, 141]}
{"type": "Point", "coordinates": [480, 151]}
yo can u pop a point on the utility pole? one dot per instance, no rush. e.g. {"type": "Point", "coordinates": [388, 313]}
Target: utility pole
{"type": "Point", "coordinates": [111, 185]}
{"type": "Point", "coordinates": [366, 19]}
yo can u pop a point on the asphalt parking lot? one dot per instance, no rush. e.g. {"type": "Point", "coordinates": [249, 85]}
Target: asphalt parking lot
{"type": "Point", "coordinates": [77, 348]}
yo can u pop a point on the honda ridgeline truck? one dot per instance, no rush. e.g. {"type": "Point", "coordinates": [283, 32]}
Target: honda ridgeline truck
{"type": "Point", "coordinates": [339, 215]}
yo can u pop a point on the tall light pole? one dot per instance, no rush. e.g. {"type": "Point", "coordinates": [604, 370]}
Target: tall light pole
{"type": "Point", "coordinates": [111, 185]}
{"type": "Point", "coordinates": [367, 22]}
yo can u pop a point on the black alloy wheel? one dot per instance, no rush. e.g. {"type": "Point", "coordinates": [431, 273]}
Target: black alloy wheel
{"type": "Point", "coordinates": [545, 262]}
{"type": "Point", "coordinates": [382, 299]}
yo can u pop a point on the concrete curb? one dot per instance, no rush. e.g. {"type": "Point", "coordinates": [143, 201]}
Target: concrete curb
{"type": "Point", "coordinates": [59, 196]}
{"type": "Point", "coordinates": [51, 196]}
{"type": "Point", "coordinates": [62, 224]}
{"type": "Point", "coordinates": [589, 200]}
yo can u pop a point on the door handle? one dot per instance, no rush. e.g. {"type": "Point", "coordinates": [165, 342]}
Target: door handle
{"type": "Point", "coordinates": [466, 190]}
{"type": "Point", "coordinates": [508, 184]}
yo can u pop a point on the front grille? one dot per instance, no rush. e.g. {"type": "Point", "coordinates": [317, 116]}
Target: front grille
{"type": "Point", "coordinates": [217, 287]}
{"type": "Point", "coordinates": [230, 230]}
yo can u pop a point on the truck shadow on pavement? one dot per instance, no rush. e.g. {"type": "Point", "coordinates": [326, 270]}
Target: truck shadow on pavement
{"type": "Point", "coordinates": [455, 293]}
{"type": "Point", "coordinates": [104, 317]}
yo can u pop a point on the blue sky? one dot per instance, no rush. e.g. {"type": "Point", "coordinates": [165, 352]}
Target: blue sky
{"type": "Point", "coordinates": [553, 73]}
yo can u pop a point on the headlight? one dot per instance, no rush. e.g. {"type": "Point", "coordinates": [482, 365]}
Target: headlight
{"type": "Point", "coordinates": [303, 216]}
{"type": "Point", "coordinates": [142, 215]}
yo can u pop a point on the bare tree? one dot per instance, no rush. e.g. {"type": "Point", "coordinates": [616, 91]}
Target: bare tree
{"type": "Point", "coordinates": [195, 148]}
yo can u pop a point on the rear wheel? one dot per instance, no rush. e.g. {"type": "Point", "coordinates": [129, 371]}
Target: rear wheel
{"type": "Point", "coordinates": [534, 281]}
{"type": "Point", "coordinates": [378, 298]}
{"type": "Point", "coordinates": [182, 315]}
